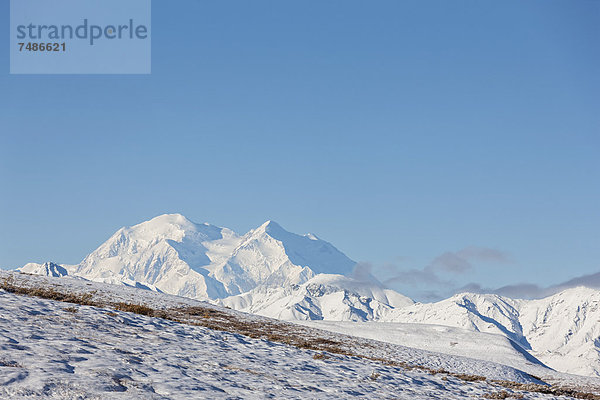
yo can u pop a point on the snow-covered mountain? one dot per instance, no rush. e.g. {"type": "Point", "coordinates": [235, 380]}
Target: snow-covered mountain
{"type": "Point", "coordinates": [202, 261]}
{"type": "Point", "coordinates": [562, 330]}
{"type": "Point", "coordinates": [47, 269]}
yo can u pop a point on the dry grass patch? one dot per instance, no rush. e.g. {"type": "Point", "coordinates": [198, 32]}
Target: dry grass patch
{"type": "Point", "coordinates": [374, 376]}
{"type": "Point", "coordinates": [46, 293]}
{"type": "Point", "coordinates": [553, 390]}
{"type": "Point", "coordinates": [274, 332]}
{"type": "Point", "coordinates": [135, 308]}
{"type": "Point", "coordinates": [321, 356]}
{"type": "Point", "coordinates": [502, 395]}
{"type": "Point", "coordinates": [470, 378]}
{"type": "Point", "coordinates": [10, 363]}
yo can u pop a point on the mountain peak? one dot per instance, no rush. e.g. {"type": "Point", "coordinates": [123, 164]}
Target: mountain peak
{"type": "Point", "coordinates": [46, 269]}
{"type": "Point", "coordinates": [270, 224]}
{"type": "Point", "coordinates": [176, 218]}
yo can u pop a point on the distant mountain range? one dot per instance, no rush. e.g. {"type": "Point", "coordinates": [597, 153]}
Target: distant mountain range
{"type": "Point", "coordinates": [275, 273]}
{"type": "Point", "coordinates": [562, 331]}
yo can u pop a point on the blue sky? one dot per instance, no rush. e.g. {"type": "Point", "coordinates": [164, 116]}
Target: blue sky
{"type": "Point", "coordinates": [400, 131]}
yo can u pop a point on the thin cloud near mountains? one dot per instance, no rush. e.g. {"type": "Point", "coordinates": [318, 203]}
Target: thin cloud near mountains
{"type": "Point", "coordinates": [533, 291]}
{"type": "Point", "coordinates": [440, 274]}
{"type": "Point", "coordinates": [438, 278]}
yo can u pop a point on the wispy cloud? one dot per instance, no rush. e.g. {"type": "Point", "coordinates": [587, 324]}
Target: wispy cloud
{"type": "Point", "coordinates": [437, 280]}
{"type": "Point", "coordinates": [520, 290]}
{"type": "Point", "coordinates": [452, 263]}
{"type": "Point", "coordinates": [463, 260]}
{"type": "Point", "coordinates": [362, 272]}
{"type": "Point", "coordinates": [438, 276]}
{"type": "Point", "coordinates": [591, 281]}
{"type": "Point", "coordinates": [533, 291]}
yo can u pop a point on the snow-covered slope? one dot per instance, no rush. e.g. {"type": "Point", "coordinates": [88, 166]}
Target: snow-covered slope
{"type": "Point", "coordinates": [441, 339]}
{"type": "Point", "coordinates": [65, 350]}
{"type": "Point", "coordinates": [478, 312]}
{"type": "Point", "coordinates": [563, 330]}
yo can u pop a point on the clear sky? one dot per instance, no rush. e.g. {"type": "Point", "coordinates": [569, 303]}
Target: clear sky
{"type": "Point", "coordinates": [438, 141]}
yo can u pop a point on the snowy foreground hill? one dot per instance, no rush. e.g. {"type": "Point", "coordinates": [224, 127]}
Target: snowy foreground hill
{"type": "Point", "coordinates": [68, 338]}
{"type": "Point", "coordinates": [274, 273]}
